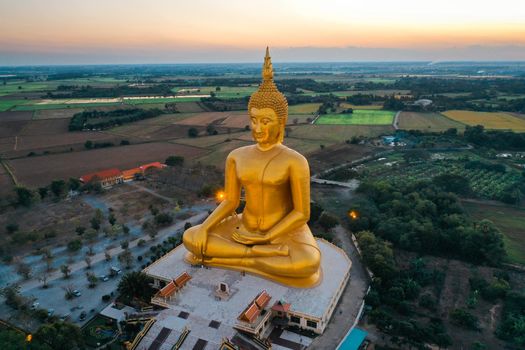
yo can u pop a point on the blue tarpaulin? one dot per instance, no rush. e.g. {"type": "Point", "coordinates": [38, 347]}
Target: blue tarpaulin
{"type": "Point", "coordinates": [353, 340]}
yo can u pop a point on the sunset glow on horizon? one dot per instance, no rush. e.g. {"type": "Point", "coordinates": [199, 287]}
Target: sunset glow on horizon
{"type": "Point", "coordinates": [165, 28]}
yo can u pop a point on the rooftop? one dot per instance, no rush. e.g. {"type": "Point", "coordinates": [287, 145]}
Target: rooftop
{"type": "Point", "coordinates": [198, 297]}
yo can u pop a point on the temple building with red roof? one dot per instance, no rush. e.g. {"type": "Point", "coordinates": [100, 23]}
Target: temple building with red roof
{"type": "Point", "coordinates": [106, 178]}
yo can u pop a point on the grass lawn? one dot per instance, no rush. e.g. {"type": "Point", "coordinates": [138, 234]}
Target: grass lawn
{"type": "Point", "coordinates": [511, 222]}
{"type": "Point", "coordinates": [358, 117]}
{"type": "Point", "coordinates": [99, 331]}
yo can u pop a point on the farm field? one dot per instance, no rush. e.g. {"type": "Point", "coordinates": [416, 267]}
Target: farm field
{"type": "Point", "coordinates": [218, 153]}
{"type": "Point", "coordinates": [345, 105]}
{"type": "Point", "coordinates": [15, 116]}
{"type": "Point", "coordinates": [10, 104]}
{"type": "Point", "coordinates": [511, 222]}
{"type": "Point", "coordinates": [427, 122]}
{"type": "Point", "coordinates": [490, 120]}
{"type": "Point", "coordinates": [358, 117]}
{"type": "Point", "coordinates": [336, 133]}
{"type": "Point", "coordinates": [55, 113]}
{"type": "Point", "coordinates": [41, 170]}
{"type": "Point", "coordinates": [305, 108]}
{"type": "Point", "coordinates": [211, 141]}
{"type": "Point", "coordinates": [486, 184]}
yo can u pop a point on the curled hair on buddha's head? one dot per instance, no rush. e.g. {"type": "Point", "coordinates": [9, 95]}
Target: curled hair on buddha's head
{"type": "Point", "coordinates": [268, 96]}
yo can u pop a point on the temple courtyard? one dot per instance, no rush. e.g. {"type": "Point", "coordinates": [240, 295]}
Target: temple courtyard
{"type": "Point", "coordinates": [206, 306]}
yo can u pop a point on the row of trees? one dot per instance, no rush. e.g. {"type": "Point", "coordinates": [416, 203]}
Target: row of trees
{"type": "Point", "coordinates": [91, 120]}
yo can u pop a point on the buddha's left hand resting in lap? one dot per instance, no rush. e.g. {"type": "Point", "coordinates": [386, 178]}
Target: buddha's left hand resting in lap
{"type": "Point", "coordinates": [271, 237]}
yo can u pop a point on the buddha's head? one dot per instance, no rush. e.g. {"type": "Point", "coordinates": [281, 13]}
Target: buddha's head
{"type": "Point", "coordinates": [268, 109]}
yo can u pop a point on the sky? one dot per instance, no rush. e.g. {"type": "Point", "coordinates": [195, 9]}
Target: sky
{"type": "Point", "coordinates": [206, 31]}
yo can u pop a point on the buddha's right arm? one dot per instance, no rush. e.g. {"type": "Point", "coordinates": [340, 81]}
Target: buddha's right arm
{"type": "Point", "coordinates": [232, 192]}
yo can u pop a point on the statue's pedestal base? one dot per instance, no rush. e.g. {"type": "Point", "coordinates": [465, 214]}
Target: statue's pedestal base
{"type": "Point", "coordinates": [196, 305]}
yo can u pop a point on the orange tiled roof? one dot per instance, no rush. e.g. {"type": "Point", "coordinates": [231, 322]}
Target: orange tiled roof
{"type": "Point", "coordinates": [182, 279]}
{"type": "Point", "coordinates": [130, 173]}
{"type": "Point", "coordinates": [250, 314]}
{"type": "Point", "coordinates": [168, 289]}
{"type": "Point", "coordinates": [262, 299]}
{"type": "Point", "coordinates": [152, 165]}
{"type": "Point", "coordinates": [101, 175]}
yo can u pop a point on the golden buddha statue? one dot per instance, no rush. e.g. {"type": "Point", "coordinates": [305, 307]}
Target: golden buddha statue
{"type": "Point", "coordinates": [271, 237]}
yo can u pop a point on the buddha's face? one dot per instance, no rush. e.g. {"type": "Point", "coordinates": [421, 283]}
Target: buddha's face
{"type": "Point", "coordinates": [266, 126]}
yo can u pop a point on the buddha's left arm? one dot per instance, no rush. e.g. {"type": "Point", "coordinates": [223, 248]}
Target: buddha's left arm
{"type": "Point", "coordinates": [300, 190]}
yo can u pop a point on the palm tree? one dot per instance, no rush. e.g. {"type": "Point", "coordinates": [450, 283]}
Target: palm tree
{"type": "Point", "coordinates": [135, 284]}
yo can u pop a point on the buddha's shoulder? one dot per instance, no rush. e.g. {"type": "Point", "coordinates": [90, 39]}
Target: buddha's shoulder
{"type": "Point", "coordinates": [294, 156]}
{"type": "Point", "coordinates": [238, 152]}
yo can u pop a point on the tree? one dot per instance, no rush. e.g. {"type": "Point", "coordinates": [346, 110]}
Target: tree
{"type": "Point", "coordinates": [74, 245]}
{"type": "Point", "coordinates": [74, 184]}
{"type": "Point", "coordinates": [174, 160]}
{"type": "Point", "coordinates": [58, 187]}
{"type": "Point", "coordinates": [111, 219]}
{"type": "Point", "coordinates": [11, 227]}
{"type": "Point", "coordinates": [210, 129]}
{"type": "Point", "coordinates": [24, 196]}
{"type": "Point", "coordinates": [12, 296]}
{"type": "Point", "coordinates": [126, 258]}
{"type": "Point", "coordinates": [87, 259]}
{"type": "Point", "coordinates": [193, 132]}
{"type": "Point", "coordinates": [125, 229]}
{"type": "Point", "coordinates": [88, 144]}
{"type": "Point", "coordinates": [60, 336]}
{"type": "Point", "coordinates": [23, 269]}
{"type": "Point", "coordinates": [136, 285]}
{"type": "Point", "coordinates": [66, 270]}
{"type": "Point", "coordinates": [327, 221]}
{"type": "Point", "coordinates": [92, 279]}
{"type": "Point", "coordinates": [12, 340]}
{"type": "Point", "coordinates": [44, 279]}
{"type": "Point", "coordinates": [47, 257]}
{"type": "Point", "coordinates": [42, 191]}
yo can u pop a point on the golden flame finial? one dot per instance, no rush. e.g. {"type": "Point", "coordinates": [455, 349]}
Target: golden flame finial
{"type": "Point", "coordinates": [267, 72]}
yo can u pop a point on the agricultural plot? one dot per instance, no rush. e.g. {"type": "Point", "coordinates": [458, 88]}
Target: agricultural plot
{"type": "Point", "coordinates": [189, 107]}
{"type": "Point", "coordinates": [305, 108]}
{"type": "Point", "coordinates": [484, 183]}
{"type": "Point", "coordinates": [345, 105]}
{"type": "Point", "coordinates": [224, 92]}
{"type": "Point", "coordinates": [218, 154]}
{"type": "Point", "coordinates": [490, 120]}
{"type": "Point", "coordinates": [213, 140]}
{"type": "Point", "coordinates": [14, 116]}
{"type": "Point", "coordinates": [427, 122]}
{"type": "Point", "coordinates": [336, 133]}
{"type": "Point", "coordinates": [358, 117]}
{"type": "Point", "coordinates": [41, 170]}
{"type": "Point", "coordinates": [510, 221]}
{"type": "Point", "coordinates": [204, 119]}
{"type": "Point", "coordinates": [6, 105]}
{"type": "Point", "coordinates": [65, 113]}
{"type": "Point", "coordinates": [17, 87]}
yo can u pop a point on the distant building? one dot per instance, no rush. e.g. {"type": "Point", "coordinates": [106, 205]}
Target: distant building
{"type": "Point", "coordinates": [423, 102]}
{"type": "Point", "coordinates": [106, 178]}
{"type": "Point", "coordinates": [131, 174]}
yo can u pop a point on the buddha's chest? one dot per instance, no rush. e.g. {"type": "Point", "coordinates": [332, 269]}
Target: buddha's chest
{"type": "Point", "coordinates": [263, 170]}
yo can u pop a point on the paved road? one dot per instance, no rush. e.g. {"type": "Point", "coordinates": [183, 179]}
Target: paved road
{"type": "Point", "coordinates": [352, 184]}
{"type": "Point", "coordinates": [395, 124]}
{"type": "Point", "coordinates": [346, 311]}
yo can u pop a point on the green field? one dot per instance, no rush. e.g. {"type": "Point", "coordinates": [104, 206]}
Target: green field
{"type": "Point", "coordinates": [510, 221]}
{"type": "Point", "coordinates": [8, 104]}
{"type": "Point", "coordinates": [304, 108]}
{"type": "Point", "coordinates": [358, 117]}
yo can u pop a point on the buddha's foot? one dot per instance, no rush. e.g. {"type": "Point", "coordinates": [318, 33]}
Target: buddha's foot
{"type": "Point", "coordinates": [269, 250]}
